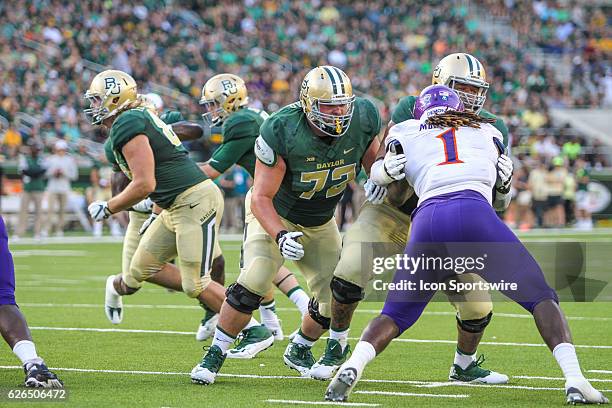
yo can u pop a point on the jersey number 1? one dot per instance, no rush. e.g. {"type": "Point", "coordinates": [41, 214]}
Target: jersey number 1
{"type": "Point", "coordinates": [450, 147]}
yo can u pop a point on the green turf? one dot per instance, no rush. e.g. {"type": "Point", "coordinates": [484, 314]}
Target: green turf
{"type": "Point", "coordinates": [71, 277]}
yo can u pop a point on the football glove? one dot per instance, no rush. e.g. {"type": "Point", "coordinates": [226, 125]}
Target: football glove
{"type": "Point", "coordinates": [144, 207]}
{"type": "Point", "coordinates": [288, 245]}
{"type": "Point", "coordinates": [99, 210]}
{"type": "Point", "coordinates": [374, 193]}
{"type": "Point", "coordinates": [147, 223]}
{"type": "Point", "coordinates": [394, 165]}
{"type": "Point", "coordinates": [505, 168]}
{"type": "Point", "coordinates": [388, 170]}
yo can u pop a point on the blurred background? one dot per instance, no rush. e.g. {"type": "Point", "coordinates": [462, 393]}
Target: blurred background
{"type": "Point", "coordinates": [547, 62]}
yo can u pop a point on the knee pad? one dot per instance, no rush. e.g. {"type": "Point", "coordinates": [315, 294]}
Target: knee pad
{"type": "Point", "coordinates": [217, 272]}
{"type": "Point", "coordinates": [313, 311]}
{"type": "Point", "coordinates": [242, 299]}
{"type": "Point", "coordinates": [346, 292]}
{"type": "Point", "coordinates": [475, 325]}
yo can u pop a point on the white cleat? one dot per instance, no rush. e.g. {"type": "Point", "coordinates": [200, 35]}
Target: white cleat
{"type": "Point", "coordinates": [580, 391]}
{"type": "Point", "coordinates": [342, 384]}
{"type": "Point", "coordinates": [113, 304]}
{"type": "Point", "coordinates": [207, 329]}
{"type": "Point", "coordinates": [202, 376]}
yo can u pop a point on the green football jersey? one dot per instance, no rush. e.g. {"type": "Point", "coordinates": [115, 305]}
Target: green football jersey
{"type": "Point", "coordinates": [318, 169]}
{"type": "Point", "coordinates": [405, 110]}
{"type": "Point", "coordinates": [175, 172]}
{"type": "Point", "coordinates": [240, 130]}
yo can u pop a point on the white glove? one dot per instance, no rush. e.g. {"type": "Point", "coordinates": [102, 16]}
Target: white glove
{"type": "Point", "coordinates": [505, 168]}
{"type": "Point", "coordinates": [288, 245]}
{"type": "Point", "coordinates": [394, 165]}
{"type": "Point", "coordinates": [374, 193]}
{"type": "Point", "coordinates": [147, 223]}
{"type": "Point", "coordinates": [99, 210]}
{"type": "Point", "coordinates": [144, 207]}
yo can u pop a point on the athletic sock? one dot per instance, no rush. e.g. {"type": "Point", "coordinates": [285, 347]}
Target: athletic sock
{"type": "Point", "coordinates": [565, 354]}
{"type": "Point", "coordinates": [364, 353]}
{"type": "Point", "coordinates": [463, 359]}
{"type": "Point", "coordinates": [268, 314]}
{"type": "Point", "coordinates": [340, 336]}
{"type": "Point", "coordinates": [222, 340]}
{"type": "Point", "coordinates": [25, 350]}
{"type": "Point", "coordinates": [209, 313]}
{"type": "Point", "coordinates": [252, 323]}
{"type": "Point", "coordinates": [301, 338]}
{"type": "Point", "coordinates": [298, 296]}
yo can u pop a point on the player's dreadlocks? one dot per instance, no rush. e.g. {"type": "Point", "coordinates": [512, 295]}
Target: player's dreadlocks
{"type": "Point", "coordinates": [456, 119]}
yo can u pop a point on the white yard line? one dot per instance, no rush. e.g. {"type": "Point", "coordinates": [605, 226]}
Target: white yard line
{"type": "Point", "coordinates": [423, 384]}
{"type": "Point", "coordinates": [528, 377]}
{"type": "Point", "coordinates": [428, 341]}
{"type": "Point", "coordinates": [344, 404]}
{"type": "Point", "coordinates": [512, 387]}
{"type": "Point", "coordinates": [410, 394]}
{"type": "Point", "coordinates": [600, 371]}
{"type": "Point", "coordinates": [283, 309]}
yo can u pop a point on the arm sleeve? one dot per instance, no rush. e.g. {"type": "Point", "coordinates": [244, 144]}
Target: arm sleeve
{"type": "Point", "coordinates": [229, 152]}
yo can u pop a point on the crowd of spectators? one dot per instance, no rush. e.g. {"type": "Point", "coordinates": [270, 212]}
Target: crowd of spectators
{"type": "Point", "coordinates": [388, 48]}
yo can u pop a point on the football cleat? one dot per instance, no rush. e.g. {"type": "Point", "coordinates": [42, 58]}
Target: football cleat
{"type": "Point", "coordinates": [113, 304]}
{"type": "Point", "coordinates": [206, 372]}
{"type": "Point", "coordinates": [474, 373]}
{"type": "Point", "coordinates": [580, 391]}
{"type": "Point", "coordinates": [343, 383]}
{"type": "Point", "coordinates": [299, 357]}
{"type": "Point", "coordinates": [39, 376]}
{"type": "Point", "coordinates": [252, 341]}
{"type": "Point", "coordinates": [332, 359]}
{"type": "Point", "coordinates": [208, 326]}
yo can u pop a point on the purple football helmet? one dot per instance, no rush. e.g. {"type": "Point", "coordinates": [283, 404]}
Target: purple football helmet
{"type": "Point", "coordinates": [437, 96]}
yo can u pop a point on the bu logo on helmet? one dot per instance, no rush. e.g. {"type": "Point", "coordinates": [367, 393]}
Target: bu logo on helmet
{"type": "Point", "coordinates": [113, 85]}
{"type": "Point", "coordinates": [229, 86]}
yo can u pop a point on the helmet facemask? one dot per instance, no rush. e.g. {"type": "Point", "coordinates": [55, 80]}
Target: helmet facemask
{"type": "Point", "coordinates": [214, 114]}
{"type": "Point", "coordinates": [472, 101]}
{"type": "Point", "coordinates": [330, 124]}
{"type": "Point", "coordinates": [98, 106]}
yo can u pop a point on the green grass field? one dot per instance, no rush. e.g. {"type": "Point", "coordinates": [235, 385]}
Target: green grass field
{"type": "Point", "coordinates": [145, 361]}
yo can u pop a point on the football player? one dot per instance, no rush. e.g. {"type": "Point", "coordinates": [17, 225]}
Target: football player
{"type": "Point", "coordinates": [141, 216]}
{"type": "Point", "coordinates": [307, 152]}
{"type": "Point", "coordinates": [224, 100]}
{"type": "Point", "coordinates": [452, 162]}
{"type": "Point", "coordinates": [151, 156]}
{"type": "Point", "coordinates": [388, 222]}
{"type": "Point", "coordinates": [13, 326]}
